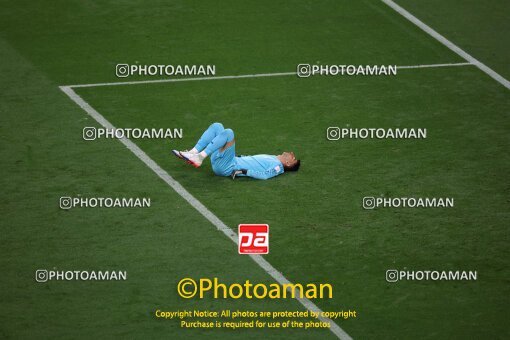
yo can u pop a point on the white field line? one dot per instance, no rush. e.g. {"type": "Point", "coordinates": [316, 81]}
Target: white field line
{"type": "Point", "coordinates": [266, 266]}
{"type": "Point", "coordinates": [447, 43]}
{"type": "Point", "coordinates": [259, 75]}
{"type": "Point", "coordinates": [172, 80]}
{"type": "Point", "coordinates": [434, 65]}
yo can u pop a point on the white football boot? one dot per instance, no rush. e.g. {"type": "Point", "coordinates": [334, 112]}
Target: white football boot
{"type": "Point", "coordinates": [192, 158]}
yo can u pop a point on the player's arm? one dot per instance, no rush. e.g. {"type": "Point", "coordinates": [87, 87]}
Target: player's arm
{"type": "Point", "coordinates": [255, 174]}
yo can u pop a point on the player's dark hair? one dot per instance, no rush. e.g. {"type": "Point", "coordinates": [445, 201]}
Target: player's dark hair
{"type": "Point", "coordinates": [294, 167]}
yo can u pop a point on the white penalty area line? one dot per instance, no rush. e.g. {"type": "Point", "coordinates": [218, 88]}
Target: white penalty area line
{"type": "Point", "coordinates": [448, 43]}
{"type": "Point", "coordinates": [259, 75]}
{"type": "Point", "coordinates": [202, 209]}
{"type": "Point", "coordinates": [434, 65]}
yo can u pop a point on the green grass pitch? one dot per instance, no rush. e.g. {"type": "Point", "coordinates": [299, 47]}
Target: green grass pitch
{"type": "Point", "coordinates": [319, 230]}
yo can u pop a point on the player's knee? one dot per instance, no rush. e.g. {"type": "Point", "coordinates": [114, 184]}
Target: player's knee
{"type": "Point", "coordinates": [230, 134]}
{"type": "Point", "coordinates": [217, 127]}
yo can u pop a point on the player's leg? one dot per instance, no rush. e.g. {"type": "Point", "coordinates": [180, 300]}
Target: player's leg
{"type": "Point", "coordinates": [217, 146]}
{"type": "Point", "coordinates": [219, 142]}
{"type": "Point", "coordinates": [212, 131]}
{"type": "Point", "coordinates": [222, 159]}
{"type": "Point", "coordinates": [208, 136]}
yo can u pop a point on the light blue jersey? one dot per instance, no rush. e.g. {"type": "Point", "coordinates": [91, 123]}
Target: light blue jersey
{"type": "Point", "coordinates": [259, 166]}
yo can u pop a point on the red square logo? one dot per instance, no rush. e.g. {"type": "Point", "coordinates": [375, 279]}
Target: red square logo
{"type": "Point", "coordinates": [253, 239]}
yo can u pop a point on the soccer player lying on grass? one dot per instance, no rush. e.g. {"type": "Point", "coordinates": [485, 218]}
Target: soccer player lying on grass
{"type": "Point", "coordinates": [219, 143]}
